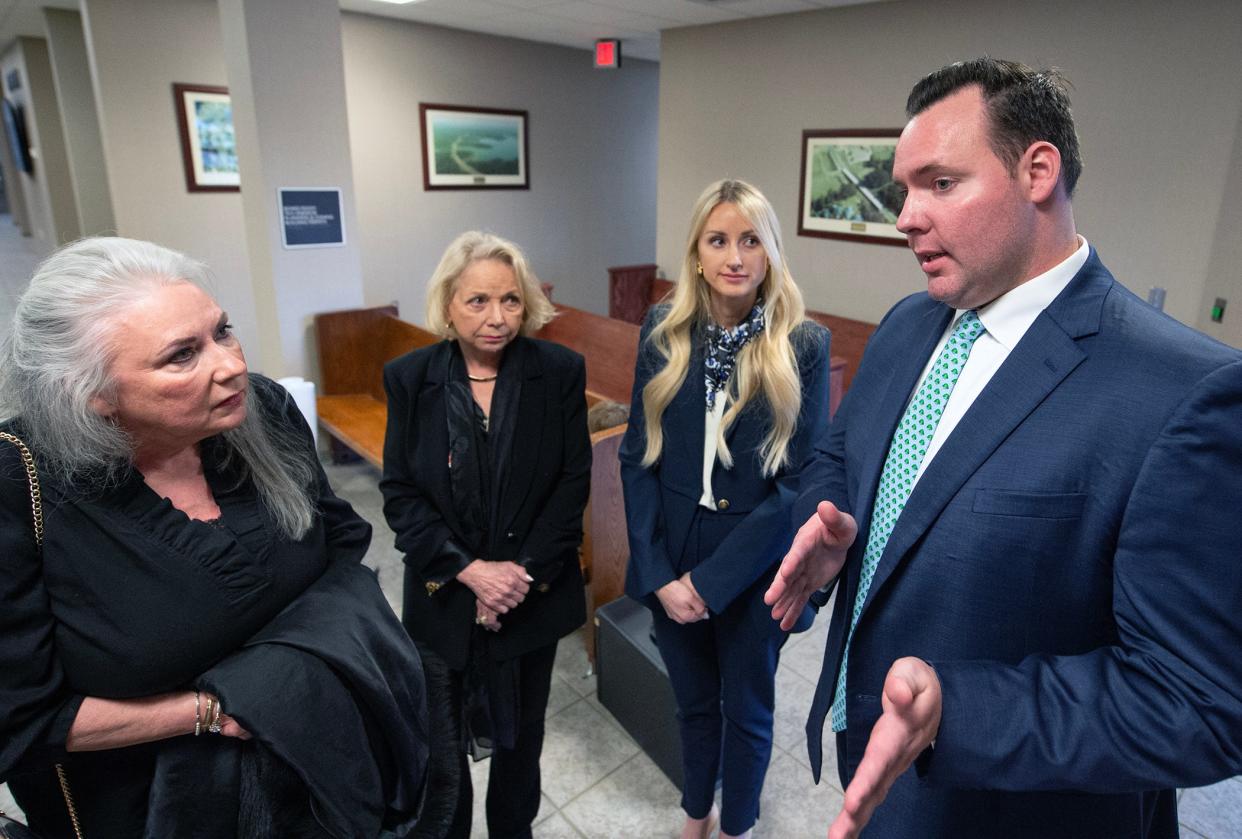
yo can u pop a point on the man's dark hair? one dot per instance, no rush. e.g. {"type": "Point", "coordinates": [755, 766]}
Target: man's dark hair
{"type": "Point", "coordinates": [1023, 104]}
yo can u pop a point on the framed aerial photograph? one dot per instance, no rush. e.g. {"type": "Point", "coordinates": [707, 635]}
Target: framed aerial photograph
{"type": "Point", "coordinates": [208, 143]}
{"type": "Point", "coordinates": [847, 189]}
{"type": "Point", "coordinates": [473, 148]}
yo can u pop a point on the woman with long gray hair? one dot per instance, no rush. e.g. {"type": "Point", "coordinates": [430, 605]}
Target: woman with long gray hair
{"type": "Point", "coordinates": [173, 564]}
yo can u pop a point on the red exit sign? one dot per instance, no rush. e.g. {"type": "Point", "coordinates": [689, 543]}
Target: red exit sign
{"type": "Point", "coordinates": [607, 54]}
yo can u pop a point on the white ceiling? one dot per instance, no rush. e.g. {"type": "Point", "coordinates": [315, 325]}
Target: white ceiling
{"type": "Point", "coordinates": [572, 23]}
{"type": "Point", "coordinates": [578, 23]}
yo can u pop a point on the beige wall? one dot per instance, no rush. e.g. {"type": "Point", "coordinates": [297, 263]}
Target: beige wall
{"type": "Point", "coordinates": [84, 148]}
{"type": "Point", "coordinates": [1224, 276]}
{"type": "Point", "coordinates": [47, 193]}
{"type": "Point", "coordinates": [1156, 98]}
{"type": "Point", "coordinates": [137, 49]}
{"type": "Point", "coordinates": [592, 139]}
{"type": "Point", "coordinates": [275, 113]}
{"type": "Point", "coordinates": [592, 142]}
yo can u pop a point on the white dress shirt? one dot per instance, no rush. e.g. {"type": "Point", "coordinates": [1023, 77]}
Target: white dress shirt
{"type": "Point", "coordinates": [1006, 319]}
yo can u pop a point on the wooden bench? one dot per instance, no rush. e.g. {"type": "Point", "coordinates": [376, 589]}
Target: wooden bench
{"type": "Point", "coordinates": [610, 347]}
{"type": "Point", "coordinates": [353, 348]}
{"type": "Point", "coordinates": [605, 540]}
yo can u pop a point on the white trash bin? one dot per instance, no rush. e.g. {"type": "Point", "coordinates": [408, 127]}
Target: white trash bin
{"type": "Point", "coordinates": [303, 393]}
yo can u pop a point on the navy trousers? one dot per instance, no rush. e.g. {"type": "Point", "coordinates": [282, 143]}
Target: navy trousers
{"type": "Point", "coordinates": [723, 673]}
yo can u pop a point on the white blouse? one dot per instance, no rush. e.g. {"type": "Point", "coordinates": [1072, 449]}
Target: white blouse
{"type": "Point", "coordinates": [711, 425]}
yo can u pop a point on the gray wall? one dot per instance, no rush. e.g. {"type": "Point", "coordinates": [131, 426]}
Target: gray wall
{"type": "Point", "coordinates": [138, 49]}
{"type": "Point", "coordinates": [275, 112]}
{"type": "Point", "coordinates": [84, 148]}
{"type": "Point", "coordinates": [1224, 277]}
{"type": "Point", "coordinates": [592, 138]}
{"type": "Point", "coordinates": [47, 193]}
{"type": "Point", "coordinates": [1156, 97]}
{"type": "Point", "coordinates": [592, 142]}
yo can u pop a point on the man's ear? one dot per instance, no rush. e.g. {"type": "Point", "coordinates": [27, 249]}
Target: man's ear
{"type": "Point", "coordinates": [1041, 168]}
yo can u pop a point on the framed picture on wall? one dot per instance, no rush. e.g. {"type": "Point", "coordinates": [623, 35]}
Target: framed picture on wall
{"type": "Point", "coordinates": [473, 148]}
{"type": "Point", "coordinates": [208, 143]}
{"type": "Point", "coordinates": [847, 189]}
{"type": "Point", "coordinates": [19, 141]}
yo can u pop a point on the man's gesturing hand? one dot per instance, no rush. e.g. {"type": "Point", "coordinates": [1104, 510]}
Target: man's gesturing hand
{"type": "Point", "coordinates": [814, 558]}
{"type": "Point", "coordinates": [911, 719]}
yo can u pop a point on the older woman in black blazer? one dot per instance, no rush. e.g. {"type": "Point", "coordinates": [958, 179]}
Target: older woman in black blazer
{"type": "Point", "coordinates": [487, 465]}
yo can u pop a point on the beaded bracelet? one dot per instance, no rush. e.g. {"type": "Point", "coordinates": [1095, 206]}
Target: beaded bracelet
{"type": "Point", "coordinates": [198, 717]}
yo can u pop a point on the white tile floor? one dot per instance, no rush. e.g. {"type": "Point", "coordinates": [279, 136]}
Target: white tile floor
{"type": "Point", "coordinates": [597, 782]}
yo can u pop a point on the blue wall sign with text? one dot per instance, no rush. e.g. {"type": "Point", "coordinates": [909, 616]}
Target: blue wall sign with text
{"type": "Point", "coordinates": [311, 218]}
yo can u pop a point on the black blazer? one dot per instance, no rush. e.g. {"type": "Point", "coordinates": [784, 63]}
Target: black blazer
{"type": "Point", "coordinates": [541, 505]}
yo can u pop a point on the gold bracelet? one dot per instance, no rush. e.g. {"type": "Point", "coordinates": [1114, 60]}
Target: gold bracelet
{"type": "Point", "coordinates": [215, 726]}
{"type": "Point", "coordinates": [198, 717]}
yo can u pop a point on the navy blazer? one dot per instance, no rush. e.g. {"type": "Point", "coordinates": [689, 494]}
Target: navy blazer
{"type": "Point", "coordinates": [541, 503]}
{"type": "Point", "coordinates": [660, 501]}
{"type": "Point", "coordinates": [1068, 563]}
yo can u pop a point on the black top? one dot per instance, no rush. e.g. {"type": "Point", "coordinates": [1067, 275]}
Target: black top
{"type": "Point", "coordinates": [131, 597]}
{"type": "Point", "coordinates": [538, 505]}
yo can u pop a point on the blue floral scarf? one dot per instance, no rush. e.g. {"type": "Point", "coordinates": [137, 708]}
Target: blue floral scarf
{"type": "Point", "coordinates": [722, 348]}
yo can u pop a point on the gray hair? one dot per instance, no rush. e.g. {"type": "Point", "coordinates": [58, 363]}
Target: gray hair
{"type": "Point", "coordinates": [56, 361]}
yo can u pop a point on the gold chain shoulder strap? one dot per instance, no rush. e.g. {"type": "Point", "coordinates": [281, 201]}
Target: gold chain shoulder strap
{"type": "Point", "coordinates": [36, 514]}
{"type": "Point", "coordinates": [32, 478]}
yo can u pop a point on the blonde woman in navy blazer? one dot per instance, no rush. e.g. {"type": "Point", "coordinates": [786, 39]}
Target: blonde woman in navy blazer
{"type": "Point", "coordinates": [730, 387]}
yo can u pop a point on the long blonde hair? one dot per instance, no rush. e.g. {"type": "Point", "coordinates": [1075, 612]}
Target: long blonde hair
{"type": "Point", "coordinates": [766, 366]}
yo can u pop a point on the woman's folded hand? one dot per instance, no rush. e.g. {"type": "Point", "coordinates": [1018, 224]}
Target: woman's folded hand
{"type": "Point", "coordinates": [499, 586]}
{"type": "Point", "coordinates": [681, 603]}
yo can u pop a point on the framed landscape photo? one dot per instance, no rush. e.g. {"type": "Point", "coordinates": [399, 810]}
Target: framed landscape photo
{"type": "Point", "coordinates": [847, 189]}
{"type": "Point", "coordinates": [208, 143]}
{"type": "Point", "coordinates": [473, 148]}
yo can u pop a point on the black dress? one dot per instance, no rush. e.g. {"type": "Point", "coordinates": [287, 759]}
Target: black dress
{"type": "Point", "coordinates": [132, 598]}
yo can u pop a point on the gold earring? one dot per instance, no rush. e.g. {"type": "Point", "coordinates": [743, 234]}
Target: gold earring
{"type": "Point", "coordinates": [698, 266]}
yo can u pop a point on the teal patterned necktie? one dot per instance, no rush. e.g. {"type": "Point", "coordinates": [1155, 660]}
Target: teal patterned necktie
{"type": "Point", "coordinates": [905, 456]}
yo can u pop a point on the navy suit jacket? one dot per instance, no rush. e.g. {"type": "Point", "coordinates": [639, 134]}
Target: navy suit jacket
{"type": "Point", "coordinates": [1067, 562]}
{"type": "Point", "coordinates": [660, 501]}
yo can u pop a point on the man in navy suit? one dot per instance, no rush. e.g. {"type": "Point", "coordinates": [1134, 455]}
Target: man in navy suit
{"type": "Point", "coordinates": [1037, 630]}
